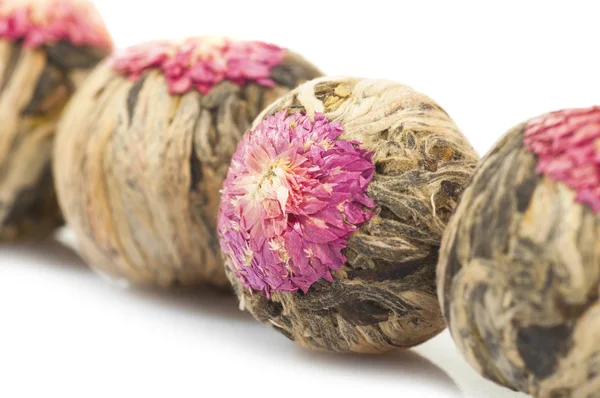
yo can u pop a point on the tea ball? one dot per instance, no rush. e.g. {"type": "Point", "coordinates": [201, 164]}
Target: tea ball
{"type": "Point", "coordinates": [333, 210]}
{"type": "Point", "coordinates": [47, 47]}
{"type": "Point", "coordinates": [519, 269]}
{"type": "Point", "coordinates": [143, 149]}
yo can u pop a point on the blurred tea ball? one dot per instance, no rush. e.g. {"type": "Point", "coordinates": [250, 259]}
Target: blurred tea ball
{"type": "Point", "coordinates": [519, 269]}
{"type": "Point", "coordinates": [143, 149]}
{"type": "Point", "coordinates": [333, 210]}
{"type": "Point", "coordinates": [47, 47]}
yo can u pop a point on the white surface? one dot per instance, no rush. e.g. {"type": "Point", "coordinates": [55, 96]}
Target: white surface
{"type": "Point", "coordinates": [65, 333]}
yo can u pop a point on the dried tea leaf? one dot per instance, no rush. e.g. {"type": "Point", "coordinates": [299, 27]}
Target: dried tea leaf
{"type": "Point", "coordinates": [382, 294]}
{"type": "Point", "coordinates": [519, 268]}
{"type": "Point", "coordinates": [140, 158]}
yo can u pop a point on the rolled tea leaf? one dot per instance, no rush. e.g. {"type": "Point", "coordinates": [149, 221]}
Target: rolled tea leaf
{"type": "Point", "coordinates": [47, 47]}
{"type": "Point", "coordinates": [143, 149]}
{"type": "Point", "coordinates": [333, 210]}
{"type": "Point", "coordinates": [519, 268]}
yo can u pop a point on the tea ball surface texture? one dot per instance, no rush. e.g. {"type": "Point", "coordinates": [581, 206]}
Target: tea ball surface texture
{"type": "Point", "coordinates": [47, 47]}
{"type": "Point", "coordinates": [333, 210]}
{"type": "Point", "coordinates": [519, 269]}
{"type": "Point", "coordinates": [144, 147]}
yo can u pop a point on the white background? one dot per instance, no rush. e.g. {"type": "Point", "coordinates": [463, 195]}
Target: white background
{"type": "Point", "coordinates": [64, 332]}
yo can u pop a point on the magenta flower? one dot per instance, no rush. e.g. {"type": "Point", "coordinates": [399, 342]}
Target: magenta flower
{"type": "Point", "coordinates": [202, 62]}
{"type": "Point", "coordinates": [41, 22]}
{"type": "Point", "coordinates": [292, 197]}
{"type": "Point", "coordinates": [567, 144]}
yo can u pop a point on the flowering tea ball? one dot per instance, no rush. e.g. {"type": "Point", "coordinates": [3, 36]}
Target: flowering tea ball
{"type": "Point", "coordinates": [47, 47]}
{"type": "Point", "coordinates": [519, 269]}
{"type": "Point", "coordinates": [333, 210]}
{"type": "Point", "coordinates": [144, 147]}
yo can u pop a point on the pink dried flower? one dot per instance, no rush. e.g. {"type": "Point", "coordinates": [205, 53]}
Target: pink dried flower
{"type": "Point", "coordinates": [292, 197]}
{"type": "Point", "coordinates": [567, 144]}
{"type": "Point", "coordinates": [41, 22]}
{"type": "Point", "coordinates": [202, 62]}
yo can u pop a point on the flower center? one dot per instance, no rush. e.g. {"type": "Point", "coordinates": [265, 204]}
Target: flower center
{"type": "Point", "coordinates": [42, 22]}
{"type": "Point", "coordinates": [202, 62]}
{"type": "Point", "coordinates": [293, 195]}
{"type": "Point", "coordinates": [567, 144]}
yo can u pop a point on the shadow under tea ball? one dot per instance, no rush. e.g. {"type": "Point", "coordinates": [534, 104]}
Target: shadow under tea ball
{"type": "Point", "coordinates": [333, 210]}
{"type": "Point", "coordinates": [144, 147]}
{"type": "Point", "coordinates": [519, 269]}
{"type": "Point", "coordinates": [47, 48]}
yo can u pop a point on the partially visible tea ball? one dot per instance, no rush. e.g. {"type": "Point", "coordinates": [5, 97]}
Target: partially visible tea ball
{"type": "Point", "coordinates": [144, 147]}
{"type": "Point", "coordinates": [333, 210]}
{"type": "Point", "coordinates": [47, 47]}
{"type": "Point", "coordinates": [519, 269]}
